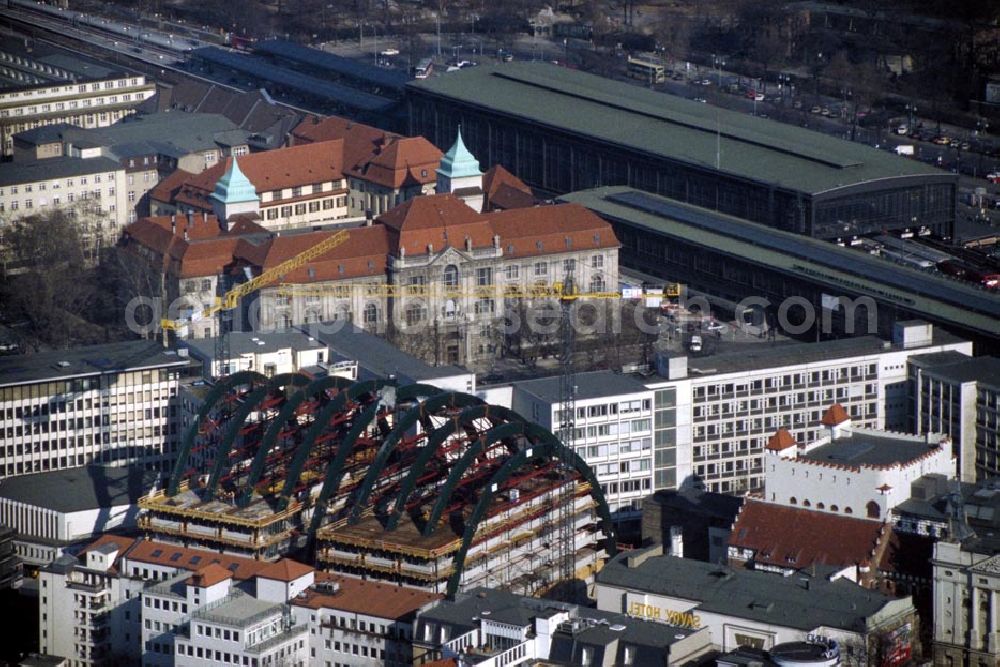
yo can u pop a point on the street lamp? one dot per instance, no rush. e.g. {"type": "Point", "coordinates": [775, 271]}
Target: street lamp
{"type": "Point", "coordinates": [719, 63]}
{"type": "Point", "coordinates": [375, 38]}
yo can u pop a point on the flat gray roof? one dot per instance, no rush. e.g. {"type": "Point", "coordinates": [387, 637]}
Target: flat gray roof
{"type": "Point", "coordinates": [810, 259]}
{"type": "Point", "coordinates": [757, 596]}
{"type": "Point", "coordinates": [87, 360]}
{"type": "Point", "coordinates": [15, 173]}
{"type": "Point", "coordinates": [595, 384]}
{"type": "Point", "coordinates": [245, 342]}
{"type": "Point", "coordinates": [240, 611]}
{"type": "Point", "coordinates": [960, 369]}
{"type": "Point", "coordinates": [757, 356]}
{"type": "Point", "coordinates": [670, 127]}
{"type": "Point", "coordinates": [378, 356]}
{"type": "Point", "coordinates": [78, 489]}
{"type": "Point", "coordinates": [863, 448]}
{"type": "Point", "coordinates": [169, 133]}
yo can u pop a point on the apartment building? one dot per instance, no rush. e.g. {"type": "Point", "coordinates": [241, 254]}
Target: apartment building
{"type": "Point", "coordinates": [150, 147]}
{"type": "Point", "coordinates": [960, 397]}
{"type": "Point", "coordinates": [712, 417]}
{"type": "Point", "coordinates": [614, 437]}
{"type": "Point", "coordinates": [130, 601]}
{"type": "Point", "coordinates": [91, 189]}
{"type": "Point", "coordinates": [64, 88]}
{"type": "Point", "coordinates": [113, 403]}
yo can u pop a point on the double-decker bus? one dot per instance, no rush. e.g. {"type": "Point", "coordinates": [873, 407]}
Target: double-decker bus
{"type": "Point", "coordinates": [646, 70]}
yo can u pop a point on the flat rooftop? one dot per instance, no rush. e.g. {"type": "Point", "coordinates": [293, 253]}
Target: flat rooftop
{"type": "Point", "coordinates": [809, 259]}
{"type": "Point", "coordinates": [15, 173]}
{"type": "Point", "coordinates": [961, 369]}
{"type": "Point", "coordinates": [869, 448]}
{"type": "Point", "coordinates": [365, 597]}
{"type": "Point", "coordinates": [596, 384]}
{"type": "Point", "coordinates": [79, 489]}
{"type": "Point", "coordinates": [669, 127]}
{"type": "Point", "coordinates": [242, 342]}
{"type": "Point", "coordinates": [378, 356]}
{"type": "Point", "coordinates": [756, 596]}
{"type": "Point", "coordinates": [240, 611]}
{"type": "Point", "coordinates": [87, 360]}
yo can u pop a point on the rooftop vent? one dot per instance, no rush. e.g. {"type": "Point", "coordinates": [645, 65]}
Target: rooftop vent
{"type": "Point", "coordinates": [62, 364]}
{"type": "Point", "coordinates": [618, 627]}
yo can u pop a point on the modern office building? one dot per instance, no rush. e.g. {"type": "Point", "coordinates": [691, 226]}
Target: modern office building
{"type": "Point", "coordinates": [54, 510]}
{"type": "Point", "coordinates": [744, 608]}
{"type": "Point", "coordinates": [712, 416]}
{"type": "Point", "coordinates": [495, 628]}
{"type": "Point", "coordinates": [562, 130]}
{"type": "Point", "coordinates": [799, 284]}
{"type": "Point", "coordinates": [62, 87]}
{"type": "Point", "coordinates": [960, 397]}
{"type": "Point", "coordinates": [113, 403]}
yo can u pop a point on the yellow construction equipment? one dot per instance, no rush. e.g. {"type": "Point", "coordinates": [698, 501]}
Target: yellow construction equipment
{"type": "Point", "coordinates": [231, 299]}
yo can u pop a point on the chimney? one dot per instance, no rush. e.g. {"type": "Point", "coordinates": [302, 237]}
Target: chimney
{"type": "Point", "coordinates": [430, 248]}
{"type": "Point", "coordinates": [496, 241]}
{"type": "Point", "coordinates": [190, 217]}
{"type": "Point", "coordinates": [173, 224]}
{"type": "Point", "coordinates": [468, 244]}
{"type": "Point", "coordinates": [402, 252]}
{"type": "Point", "coordinates": [185, 234]}
{"type": "Point", "coordinates": [677, 541]}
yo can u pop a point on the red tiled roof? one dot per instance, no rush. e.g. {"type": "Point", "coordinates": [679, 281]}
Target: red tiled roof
{"type": "Point", "coordinates": [440, 220]}
{"type": "Point", "coordinates": [209, 575]}
{"type": "Point", "coordinates": [539, 230]}
{"type": "Point", "coordinates": [285, 569]}
{"type": "Point", "coordinates": [790, 537]}
{"type": "Point", "coordinates": [503, 190]}
{"type": "Point", "coordinates": [166, 190]}
{"type": "Point", "coordinates": [364, 254]}
{"type": "Point", "coordinates": [782, 439]}
{"type": "Point", "coordinates": [404, 162]}
{"type": "Point", "coordinates": [367, 597]}
{"type": "Point", "coordinates": [271, 170]}
{"type": "Point", "coordinates": [182, 558]}
{"type": "Point", "coordinates": [123, 543]}
{"type": "Point", "coordinates": [834, 415]}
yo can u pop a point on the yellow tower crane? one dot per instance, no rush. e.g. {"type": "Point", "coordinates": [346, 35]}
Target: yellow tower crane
{"type": "Point", "coordinates": [231, 299]}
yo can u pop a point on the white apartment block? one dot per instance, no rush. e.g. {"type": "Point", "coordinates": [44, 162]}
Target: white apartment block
{"type": "Point", "coordinates": [960, 397]}
{"type": "Point", "coordinates": [92, 189]}
{"type": "Point", "coordinates": [966, 602]}
{"type": "Point", "coordinates": [97, 102]}
{"type": "Point", "coordinates": [614, 437]}
{"type": "Point", "coordinates": [711, 421]}
{"type": "Point", "coordinates": [113, 403]}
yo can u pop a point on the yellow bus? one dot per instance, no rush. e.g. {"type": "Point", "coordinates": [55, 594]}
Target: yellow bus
{"type": "Point", "coordinates": [646, 70]}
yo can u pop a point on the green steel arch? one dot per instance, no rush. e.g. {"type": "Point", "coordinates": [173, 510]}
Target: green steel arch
{"type": "Point", "coordinates": [287, 412]}
{"type": "Point", "coordinates": [430, 447]}
{"type": "Point", "coordinates": [463, 464]}
{"type": "Point", "coordinates": [334, 470]}
{"type": "Point", "coordinates": [320, 425]}
{"type": "Point", "coordinates": [548, 445]}
{"type": "Point", "coordinates": [409, 419]}
{"type": "Point", "coordinates": [251, 402]}
{"type": "Point", "coordinates": [211, 399]}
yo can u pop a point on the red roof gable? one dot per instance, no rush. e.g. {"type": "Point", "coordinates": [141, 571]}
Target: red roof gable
{"type": "Point", "coordinates": [364, 254]}
{"type": "Point", "coordinates": [782, 439]}
{"type": "Point", "coordinates": [789, 537]}
{"type": "Point", "coordinates": [285, 569]}
{"type": "Point", "coordinates": [367, 597]}
{"type": "Point", "coordinates": [503, 190]}
{"type": "Point", "coordinates": [834, 415]}
{"type": "Point", "coordinates": [209, 575]}
{"type": "Point", "coordinates": [404, 162]}
{"type": "Point", "coordinates": [181, 558]}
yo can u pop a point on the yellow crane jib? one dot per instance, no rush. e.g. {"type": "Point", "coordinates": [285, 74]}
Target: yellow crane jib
{"type": "Point", "coordinates": [231, 299]}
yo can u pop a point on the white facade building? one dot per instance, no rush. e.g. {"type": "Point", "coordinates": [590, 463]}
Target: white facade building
{"type": "Point", "coordinates": [113, 403]}
{"type": "Point", "coordinates": [612, 430]}
{"type": "Point", "coordinates": [855, 472]}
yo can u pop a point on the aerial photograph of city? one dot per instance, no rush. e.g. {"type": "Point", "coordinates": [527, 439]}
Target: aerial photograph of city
{"type": "Point", "coordinates": [596, 333]}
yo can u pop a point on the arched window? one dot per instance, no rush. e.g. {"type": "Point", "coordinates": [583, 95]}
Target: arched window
{"type": "Point", "coordinates": [820, 506]}
{"type": "Point", "coordinates": [874, 511]}
{"type": "Point", "coordinates": [451, 276]}
{"type": "Point", "coordinates": [793, 501]}
{"type": "Point", "coordinates": [286, 321]}
{"type": "Point", "coordinates": [806, 503]}
{"type": "Point", "coordinates": [597, 284]}
{"type": "Point", "coordinates": [342, 313]}
{"type": "Point", "coordinates": [371, 314]}
{"type": "Point", "coordinates": [312, 316]}
{"type": "Point", "coordinates": [834, 508]}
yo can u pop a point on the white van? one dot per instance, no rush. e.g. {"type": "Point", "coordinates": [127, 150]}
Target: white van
{"type": "Point", "coordinates": [695, 344]}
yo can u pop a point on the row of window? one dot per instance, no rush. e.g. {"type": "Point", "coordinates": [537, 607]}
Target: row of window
{"type": "Point", "coordinates": [70, 105]}
{"type": "Point", "coordinates": [55, 185]}
{"type": "Point", "coordinates": [274, 212]}
{"type": "Point", "coordinates": [80, 88]}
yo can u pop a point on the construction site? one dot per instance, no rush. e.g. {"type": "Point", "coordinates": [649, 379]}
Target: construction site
{"type": "Point", "coordinates": [411, 484]}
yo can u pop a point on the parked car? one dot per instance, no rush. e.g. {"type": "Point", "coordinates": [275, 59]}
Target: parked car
{"type": "Point", "coordinates": [940, 140]}
{"type": "Point", "coordinates": [695, 344]}
{"type": "Point", "coordinates": [994, 177]}
{"type": "Point", "coordinates": [816, 109]}
{"type": "Point", "coordinates": [902, 129]}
